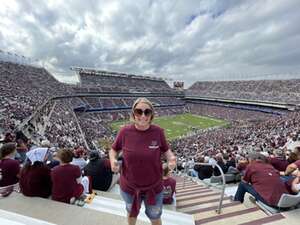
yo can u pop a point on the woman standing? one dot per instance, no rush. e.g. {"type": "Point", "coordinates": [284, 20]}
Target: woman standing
{"type": "Point", "coordinates": [142, 145]}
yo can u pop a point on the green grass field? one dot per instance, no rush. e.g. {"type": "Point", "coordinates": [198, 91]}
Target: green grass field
{"type": "Point", "coordinates": [179, 125]}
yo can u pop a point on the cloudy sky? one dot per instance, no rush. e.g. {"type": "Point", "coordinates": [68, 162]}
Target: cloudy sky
{"type": "Point", "coordinates": [186, 40]}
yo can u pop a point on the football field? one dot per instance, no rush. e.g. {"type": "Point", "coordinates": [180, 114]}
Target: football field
{"type": "Point", "coordinates": [178, 125]}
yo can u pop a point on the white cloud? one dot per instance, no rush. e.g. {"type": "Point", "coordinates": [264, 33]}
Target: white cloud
{"type": "Point", "coordinates": [182, 40]}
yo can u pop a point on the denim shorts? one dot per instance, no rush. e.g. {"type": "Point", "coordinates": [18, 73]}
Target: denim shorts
{"type": "Point", "coordinates": [152, 211]}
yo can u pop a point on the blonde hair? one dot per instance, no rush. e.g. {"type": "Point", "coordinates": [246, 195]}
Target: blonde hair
{"type": "Point", "coordinates": [166, 170]}
{"type": "Point", "coordinates": [145, 101]}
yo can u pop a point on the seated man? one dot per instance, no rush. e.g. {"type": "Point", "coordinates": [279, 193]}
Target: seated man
{"type": "Point", "coordinates": [262, 181]}
{"type": "Point", "coordinates": [169, 185]}
{"type": "Point", "coordinates": [66, 178]}
{"type": "Point", "coordinates": [99, 171]}
{"type": "Point", "coordinates": [204, 171]}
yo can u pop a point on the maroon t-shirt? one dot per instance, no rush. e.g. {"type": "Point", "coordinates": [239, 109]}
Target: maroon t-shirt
{"type": "Point", "coordinates": [297, 164]}
{"type": "Point", "coordinates": [9, 169]}
{"type": "Point", "coordinates": [278, 163]}
{"type": "Point", "coordinates": [169, 189]}
{"type": "Point", "coordinates": [36, 181]}
{"type": "Point", "coordinates": [142, 152]}
{"type": "Point", "coordinates": [64, 184]}
{"type": "Point", "coordinates": [266, 181]}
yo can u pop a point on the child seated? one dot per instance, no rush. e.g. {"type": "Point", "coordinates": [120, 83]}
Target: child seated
{"type": "Point", "coordinates": [66, 179]}
{"type": "Point", "coordinates": [169, 185]}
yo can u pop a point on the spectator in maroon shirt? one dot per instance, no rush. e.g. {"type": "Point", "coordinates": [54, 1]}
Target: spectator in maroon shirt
{"type": "Point", "coordinates": [66, 178]}
{"type": "Point", "coordinates": [295, 164]}
{"type": "Point", "coordinates": [169, 185]}
{"type": "Point", "coordinates": [259, 180]}
{"type": "Point", "coordinates": [9, 168]}
{"type": "Point", "coordinates": [279, 161]}
{"type": "Point", "coordinates": [291, 170]}
{"type": "Point", "coordinates": [35, 178]}
{"type": "Point", "coordinates": [142, 145]}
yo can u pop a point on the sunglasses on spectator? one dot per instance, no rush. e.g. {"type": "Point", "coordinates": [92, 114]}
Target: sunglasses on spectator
{"type": "Point", "coordinates": [140, 112]}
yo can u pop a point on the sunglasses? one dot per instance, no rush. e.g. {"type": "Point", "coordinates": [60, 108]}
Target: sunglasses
{"type": "Point", "coordinates": [140, 112]}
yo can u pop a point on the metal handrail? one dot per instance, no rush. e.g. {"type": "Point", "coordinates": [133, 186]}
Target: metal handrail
{"type": "Point", "coordinates": [213, 164]}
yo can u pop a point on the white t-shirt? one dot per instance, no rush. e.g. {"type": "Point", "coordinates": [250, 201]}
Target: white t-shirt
{"type": "Point", "coordinates": [79, 162]}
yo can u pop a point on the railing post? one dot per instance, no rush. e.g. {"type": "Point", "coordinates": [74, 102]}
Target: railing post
{"type": "Point", "coordinates": [218, 210]}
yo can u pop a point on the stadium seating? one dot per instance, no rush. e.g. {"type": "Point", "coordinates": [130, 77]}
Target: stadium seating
{"type": "Point", "coordinates": [286, 201]}
{"type": "Point", "coordinates": [284, 91]}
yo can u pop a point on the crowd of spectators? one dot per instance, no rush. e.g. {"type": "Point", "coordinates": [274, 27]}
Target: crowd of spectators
{"type": "Point", "coordinates": [65, 175]}
{"type": "Point", "coordinates": [121, 102]}
{"type": "Point", "coordinates": [283, 91]}
{"type": "Point", "coordinates": [276, 139]}
{"type": "Point", "coordinates": [265, 135]}
{"type": "Point", "coordinates": [63, 126]}
{"type": "Point", "coordinates": [228, 113]}
{"type": "Point", "coordinates": [23, 89]}
{"type": "Point", "coordinates": [124, 83]}
{"type": "Point", "coordinates": [26, 93]}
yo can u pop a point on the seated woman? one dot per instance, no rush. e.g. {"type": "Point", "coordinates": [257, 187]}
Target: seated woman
{"type": "Point", "coordinates": [221, 163]}
{"type": "Point", "coordinates": [66, 178]}
{"type": "Point", "coordinates": [9, 168]}
{"type": "Point", "coordinates": [35, 178]}
{"type": "Point", "coordinates": [242, 165]}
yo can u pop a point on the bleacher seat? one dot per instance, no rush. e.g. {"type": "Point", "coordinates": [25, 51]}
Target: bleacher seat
{"type": "Point", "coordinates": [286, 201]}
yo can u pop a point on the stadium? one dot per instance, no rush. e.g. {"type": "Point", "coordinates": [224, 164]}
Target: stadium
{"type": "Point", "coordinates": [215, 128]}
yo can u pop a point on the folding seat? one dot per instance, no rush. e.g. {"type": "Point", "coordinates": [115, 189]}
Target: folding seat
{"type": "Point", "coordinates": [285, 202]}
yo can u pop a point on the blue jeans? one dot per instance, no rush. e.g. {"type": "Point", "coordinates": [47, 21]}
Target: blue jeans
{"type": "Point", "coordinates": [245, 187]}
{"type": "Point", "coordinates": [152, 211]}
{"type": "Point", "coordinates": [286, 178]}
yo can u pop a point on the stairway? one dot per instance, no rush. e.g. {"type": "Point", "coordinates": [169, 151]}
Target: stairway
{"type": "Point", "coordinates": [197, 199]}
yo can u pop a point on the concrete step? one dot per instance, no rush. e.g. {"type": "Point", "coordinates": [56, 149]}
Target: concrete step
{"type": "Point", "coordinates": [53, 212]}
{"type": "Point", "coordinates": [117, 207]}
{"type": "Point", "coordinates": [10, 218]}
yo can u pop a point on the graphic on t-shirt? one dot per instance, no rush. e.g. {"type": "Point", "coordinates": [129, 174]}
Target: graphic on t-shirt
{"type": "Point", "coordinates": [153, 145]}
{"type": "Point", "coordinates": [0, 174]}
{"type": "Point", "coordinates": [167, 192]}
